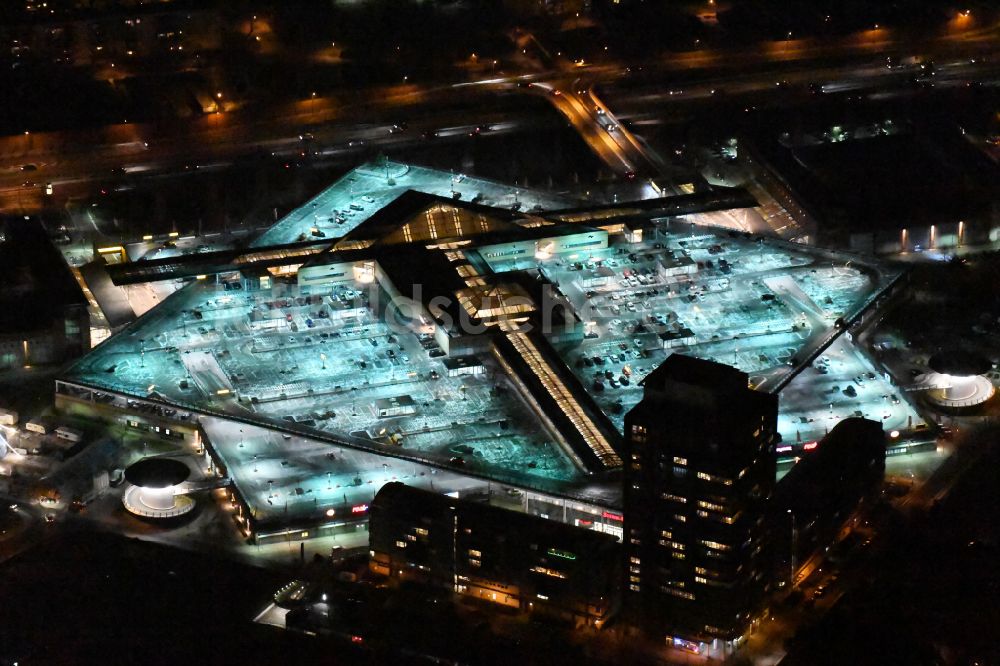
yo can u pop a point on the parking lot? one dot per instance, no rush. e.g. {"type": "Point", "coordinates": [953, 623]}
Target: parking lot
{"type": "Point", "coordinates": [325, 363]}
{"type": "Point", "coordinates": [719, 296]}
{"type": "Point", "coordinates": [840, 384]}
{"type": "Point", "coordinates": [351, 200]}
{"type": "Point", "coordinates": [294, 478]}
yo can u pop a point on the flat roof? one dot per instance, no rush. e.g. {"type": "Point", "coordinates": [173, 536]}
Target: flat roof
{"type": "Point", "coordinates": [317, 360]}
{"type": "Point", "coordinates": [883, 176]}
{"type": "Point", "coordinates": [363, 191]}
{"type": "Point", "coordinates": [36, 285]}
{"type": "Point", "coordinates": [213, 351]}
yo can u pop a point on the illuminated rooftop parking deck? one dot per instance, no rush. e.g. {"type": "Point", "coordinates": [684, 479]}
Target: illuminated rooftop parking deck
{"type": "Point", "coordinates": [756, 305]}
{"type": "Point", "coordinates": [324, 365]}
{"type": "Point", "coordinates": [354, 198]}
{"type": "Point", "coordinates": [309, 481]}
{"type": "Point", "coordinates": [322, 353]}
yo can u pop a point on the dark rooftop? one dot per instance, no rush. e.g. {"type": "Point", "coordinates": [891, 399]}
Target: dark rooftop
{"type": "Point", "coordinates": [157, 473]}
{"type": "Point", "coordinates": [35, 282]}
{"type": "Point", "coordinates": [913, 177]}
{"type": "Point", "coordinates": [852, 445]}
{"type": "Point", "coordinates": [959, 363]}
{"type": "Point", "coordinates": [396, 496]}
{"type": "Point", "coordinates": [696, 372]}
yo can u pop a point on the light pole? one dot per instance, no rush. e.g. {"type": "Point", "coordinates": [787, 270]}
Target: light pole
{"type": "Point", "coordinates": [791, 559]}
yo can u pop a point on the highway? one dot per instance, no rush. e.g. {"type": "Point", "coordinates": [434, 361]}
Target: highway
{"type": "Point", "coordinates": [80, 172]}
{"type": "Point", "coordinates": [362, 121]}
{"type": "Point", "coordinates": [596, 125]}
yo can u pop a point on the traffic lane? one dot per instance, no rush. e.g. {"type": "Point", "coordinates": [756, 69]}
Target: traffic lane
{"type": "Point", "coordinates": [76, 176]}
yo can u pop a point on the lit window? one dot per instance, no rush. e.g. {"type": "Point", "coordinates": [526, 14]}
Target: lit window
{"type": "Point", "coordinates": [679, 518]}
{"type": "Point", "coordinates": [420, 530]}
{"type": "Point", "coordinates": [700, 579]}
{"type": "Point", "coordinates": [680, 461]}
{"type": "Point", "coordinates": [705, 476]}
{"type": "Point", "coordinates": [400, 544]}
{"type": "Point", "coordinates": [678, 556]}
{"type": "Point", "coordinates": [548, 572]}
{"type": "Point", "coordinates": [475, 553]}
{"type": "Point", "coordinates": [633, 587]}
{"type": "Point", "coordinates": [634, 560]}
{"type": "Point", "coordinates": [675, 498]}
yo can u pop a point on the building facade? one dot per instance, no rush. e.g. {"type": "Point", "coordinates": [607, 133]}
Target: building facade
{"type": "Point", "coordinates": [823, 491]}
{"type": "Point", "coordinates": [492, 554]}
{"type": "Point", "coordinates": [43, 311]}
{"type": "Point", "coordinates": [699, 471]}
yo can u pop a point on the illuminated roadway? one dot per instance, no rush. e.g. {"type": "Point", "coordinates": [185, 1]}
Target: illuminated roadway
{"type": "Point", "coordinates": [74, 164]}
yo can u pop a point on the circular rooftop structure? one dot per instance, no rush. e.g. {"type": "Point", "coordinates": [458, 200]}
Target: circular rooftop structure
{"type": "Point", "coordinates": [152, 488]}
{"type": "Point", "coordinates": [157, 473]}
{"type": "Point", "coordinates": [957, 380]}
{"type": "Point", "coordinates": [958, 363]}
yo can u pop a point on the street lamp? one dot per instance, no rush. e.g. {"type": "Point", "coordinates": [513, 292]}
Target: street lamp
{"type": "Point", "coordinates": [791, 573]}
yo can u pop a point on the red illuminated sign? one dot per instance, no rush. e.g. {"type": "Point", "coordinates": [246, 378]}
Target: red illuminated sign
{"type": "Point", "coordinates": [809, 446]}
{"type": "Point", "coordinates": [361, 508]}
{"type": "Point", "coordinates": [612, 516]}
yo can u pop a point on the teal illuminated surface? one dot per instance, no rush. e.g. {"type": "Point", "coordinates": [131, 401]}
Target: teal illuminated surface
{"type": "Point", "coordinates": [324, 380]}
{"type": "Point", "coordinates": [317, 360]}
{"type": "Point", "coordinates": [354, 198]}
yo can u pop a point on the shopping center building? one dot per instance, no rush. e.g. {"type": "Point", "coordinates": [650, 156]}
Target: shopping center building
{"type": "Point", "coordinates": [388, 330]}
